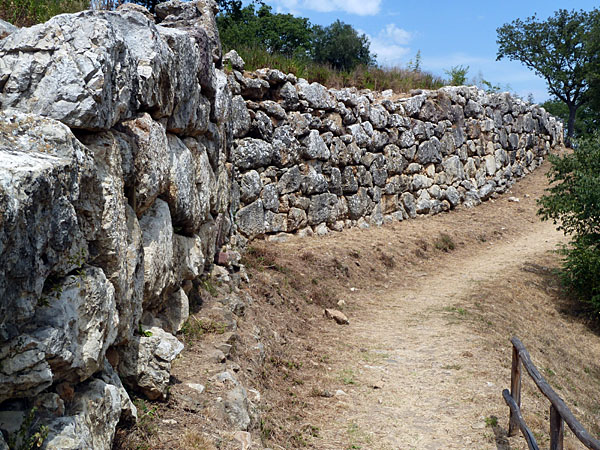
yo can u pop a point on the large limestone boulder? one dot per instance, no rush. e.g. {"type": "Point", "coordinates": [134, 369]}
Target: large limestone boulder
{"type": "Point", "coordinates": [75, 323]}
{"type": "Point", "coordinates": [42, 173]}
{"type": "Point", "coordinates": [116, 242]}
{"type": "Point", "coordinates": [157, 236]}
{"type": "Point", "coordinates": [93, 69]}
{"type": "Point", "coordinates": [182, 194]}
{"type": "Point", "coordinates": [146, 363]}
{"type": "Point", "coordinates": [58, 70]}
{"type": "Point", "coordinates": [193, 15]}
{"type": "Point", "coordinates": [90, 421]}
{"type": "Point", "coordinates": [191, 109]}
{"type": "Point", "coordinates": [149, 160]}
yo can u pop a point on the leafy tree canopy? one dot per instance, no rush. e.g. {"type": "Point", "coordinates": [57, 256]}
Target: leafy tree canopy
{"type": "Point", "coordinates": [338, 45]}
{"type": "Point", "coordinates": [562, 49]}
{"type": "Point", "coordinates": [342, 46]}
{"type": "Point", "coordinates": [277, 33]}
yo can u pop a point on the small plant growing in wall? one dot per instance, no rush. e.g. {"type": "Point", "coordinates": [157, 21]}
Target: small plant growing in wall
{"type": "Point", "coordinates": [143, 332]}
{"type": "Point", "coordinates": [30, 434]}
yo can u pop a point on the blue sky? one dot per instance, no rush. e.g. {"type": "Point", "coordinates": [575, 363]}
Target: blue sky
{"type": "Point", "coordinates": [448, 33]}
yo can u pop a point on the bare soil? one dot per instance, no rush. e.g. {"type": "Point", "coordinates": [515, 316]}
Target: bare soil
{"type": "Point", "coordinates": [432, 304]}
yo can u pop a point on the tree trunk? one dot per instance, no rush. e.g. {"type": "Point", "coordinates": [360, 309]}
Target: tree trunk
{"type": "Point", "coordinates": [571, 124]}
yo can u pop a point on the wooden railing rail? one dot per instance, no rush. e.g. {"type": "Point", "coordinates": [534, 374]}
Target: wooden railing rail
{"type": "Point", "coordinates": [559, 412]}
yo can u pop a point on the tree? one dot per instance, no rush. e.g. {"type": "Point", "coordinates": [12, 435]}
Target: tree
{"type": "Point", "coordinates": [587, 118]}
{"type": "Point", "coordinates": [561, 49]}
{"type": "Point", "coordinates": [573, 202]}
{"type": "Point", "coordinates": [277, 33]}
{"type": "Point", "coordinates": [340, 45]}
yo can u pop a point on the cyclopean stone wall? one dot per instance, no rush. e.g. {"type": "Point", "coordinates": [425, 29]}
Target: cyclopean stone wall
{"type": "Point", "coordinates": [114, 197]}
{"type": "Point", "coordinates": [129, 158]}
{"type": "Point", "coordinates": [310, 159]}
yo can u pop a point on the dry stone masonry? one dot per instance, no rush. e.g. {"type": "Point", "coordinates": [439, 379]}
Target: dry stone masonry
{"type": "Point", "coordinates": [130, 156]}
{"type": "Point", "coordinates": [311, 160]}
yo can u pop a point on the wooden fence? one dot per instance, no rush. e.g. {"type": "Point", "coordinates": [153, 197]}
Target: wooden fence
{"type": "Point", "coordinates": [559, 413]}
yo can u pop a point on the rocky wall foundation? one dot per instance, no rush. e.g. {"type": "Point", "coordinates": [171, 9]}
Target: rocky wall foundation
{"type": "Point", "coordinates": [131, 161]}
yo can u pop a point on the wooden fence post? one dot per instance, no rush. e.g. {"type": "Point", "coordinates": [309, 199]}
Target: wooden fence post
{"type": "Point", "coordinates": [557, 429]}
{"type": "Point", "coordinates": [515, 390]}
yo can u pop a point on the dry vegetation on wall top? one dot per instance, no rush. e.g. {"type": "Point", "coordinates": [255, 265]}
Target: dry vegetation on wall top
{"type": "Point", "coordinates": [24, 13]}
{"type": "Point", "coordinates": [399, 79]}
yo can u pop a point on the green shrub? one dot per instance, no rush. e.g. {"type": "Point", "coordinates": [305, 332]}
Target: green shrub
{"type": "Point", "coordinates": [24, 13]}
{"type": "Point", "coordinates": [573, 203]}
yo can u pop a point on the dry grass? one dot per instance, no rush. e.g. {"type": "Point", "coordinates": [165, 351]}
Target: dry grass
{"type": "Point", "coordinates": [307, 358]}
{"type": "Point", "coordinates": [400, 80]}
{"type": "Point", "coordinates": [562, 342]}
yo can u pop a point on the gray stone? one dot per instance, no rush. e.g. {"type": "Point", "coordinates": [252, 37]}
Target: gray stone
{"type": "Point", "coordinates": [6, 29]}
{"type": "Point", "coordinates": [187, 210]}
{"type": "Point", "coordinates": [452, 195]}
{"type": "Point", "coordinates": [189, 256]}
{"type": "Point", "coordinates": [234, 60]}
{"type": "Point", "coordinates": [315, 94]}
{"type": "Point", "coordinates": [270, 198]}
{"type": "Point", "coordinates": [296, 219]}
{"type": "Point", "coordinates": [157, 232]}
{"type": "Point", "coordinates": [378, 116]}
{"type": "Point", "coordinates": [273, 109]}
{"type": "Point", "coordinates": [361, 138]}
{"type": "Point", "coordinates": [91, 419]}
{"type": "Point", "coordinates": [240, 117]}
{"type": "Point", "coordinates": [349, 181]}
{"type": "Point", "coordinates": [408, 200]}
{"type": "Point", "coordinates": [314, 147]}
{"type": "Point", "coordinates": [253, 88]}
{"type": "Point", "coordinates": [236, 408]}
{"type": "Point", "coordinates": [289, 96]}
{"type": "Point", "coordinates": [472, 199]}
{"type": "Point", "coordinates": [421, 182]}
{"type": "Point", "coordinates": [73, 79]}
{"type": "Point", "coordinates": [250, 186]}
{"type": "Point", "coordinates": [358, 204]}
{"type": "Point", "coordinates": [197, 17]}
{"type": "Point", "coordinates": [429, 152]}
{"type": "Point", "coordinates": [150, 156]}
{"type": "Point", "coordinates": [262, 127]}
{"type": "Point", "coordinates": [146, 363]}
{"type": "Point", "coordinates": [252, 153]}
{"type": "Point", "coordinates": [44, 175]}
{"type": "Point", "coordinates": [487, 190]}
{"type": "Point", "coordinates": [322, 209]}
{"type": "Point", "coordinates": [490, 165]}
{"type": "Point", "coordinates": [191, 108]}
{"type": "Point", "coordinates": [453, 168]}
{"type": "Point", "coordinates": [251, 219]}
{"type": "Point", "coordinates": [424, 203]}
{"type": "Point", "coordinates": [290, 181]}
{"type": "Point", "coordinates": [78, 324]}
{"type": "Point", "coordinates": [314, 183]}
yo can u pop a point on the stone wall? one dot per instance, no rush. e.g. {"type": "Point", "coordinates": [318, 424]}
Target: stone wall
{"type": "Point", "coordinates": [129, 158]}
{"type": "Point", "coordinates": [310, 159]}
{"type": "Point", "coordinates": [114, 197]}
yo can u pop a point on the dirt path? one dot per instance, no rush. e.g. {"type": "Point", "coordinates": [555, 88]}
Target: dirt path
{"type": "Point", "coordinates": [426, 356]}
{"type": "Point", "coordinates": [431, 385]}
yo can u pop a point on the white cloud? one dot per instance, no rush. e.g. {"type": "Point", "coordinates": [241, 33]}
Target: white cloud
{"type": "Point", "coordinates": [358, 7]}
{"type": "Point", "coordinates": [391, 45]}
